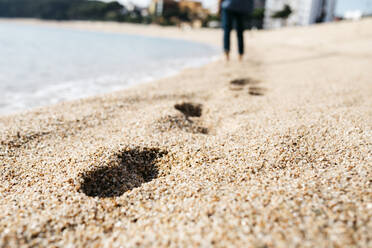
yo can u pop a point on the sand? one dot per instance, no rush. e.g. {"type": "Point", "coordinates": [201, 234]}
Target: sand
{"type": "Point", "coordinates": [275, 151]}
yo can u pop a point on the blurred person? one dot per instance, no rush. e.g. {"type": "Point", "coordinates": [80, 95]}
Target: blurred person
{"type": "Point", "coordinates": [234, 11]}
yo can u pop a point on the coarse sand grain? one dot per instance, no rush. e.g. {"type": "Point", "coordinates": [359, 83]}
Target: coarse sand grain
{"type": "Point", "coordinates": [275, 151]}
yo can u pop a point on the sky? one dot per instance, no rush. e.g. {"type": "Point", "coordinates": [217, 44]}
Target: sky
{"type": "Point", "coordinates": [345, 5]}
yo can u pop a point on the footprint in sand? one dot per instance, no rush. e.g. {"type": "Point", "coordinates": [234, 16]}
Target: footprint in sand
{"type": "Point", "coordinates": [123, 172]}
{"type": "Point", "coordinates": [169, 123]}
{"type": "Point", "coordinates": [257, 91]}
{"type": "Point", "coordinates": [189, 109]}
{"type": "Point", "coordinates": [238, 84]}
{"type": "Point", "coordinates": [183, 122]}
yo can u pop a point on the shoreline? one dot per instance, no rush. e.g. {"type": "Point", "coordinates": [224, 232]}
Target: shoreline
{"type": "Point", "coordinates": [117, 28]}
{"type": "Point", "coordinates": [204, 35]}
{"type": "Point", "coordinates": [271, 152]}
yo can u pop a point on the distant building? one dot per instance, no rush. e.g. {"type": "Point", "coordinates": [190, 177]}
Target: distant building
{"type": "Point", "coordinates": [354, 10]}
{"type": "Point", "coordinates": [158, 7]}
{"type": "Point", "coordinates": [304, 12]}
{"type": "Point", "coordinates": [257, 18]}
{"type": "Point", "coordinates": [194, 7]}
{"type": "Point", "coordinates": [258, 4]}
{"type": "Point", "coordinates": [330, 10]}
{"type": "Point", "coordinates": [353, 15]}
{"type": "Point", "coordinates": [191, 5]}
{"type": "Point", "coordinates": [185, 12]}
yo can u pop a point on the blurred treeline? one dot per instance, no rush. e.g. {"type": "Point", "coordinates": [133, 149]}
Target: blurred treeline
{"type": "Point", "coordinates": [108, 11]}
{"type": "Point", "coordinates": [67, 10]}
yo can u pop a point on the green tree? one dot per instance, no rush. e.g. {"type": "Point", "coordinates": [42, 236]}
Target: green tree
{"type": "Point", "coordinates": [258, 14]}
{"type": "Point", "coordinates": [283, 14]}
{"type": "Point", "coordinates": [61, 9]}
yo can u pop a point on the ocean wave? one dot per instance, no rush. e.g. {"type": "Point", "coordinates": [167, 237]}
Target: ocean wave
{"type": "Point", "coordinates": [55, 92]}
{"type": "Point", "coordinates": [43, 66]}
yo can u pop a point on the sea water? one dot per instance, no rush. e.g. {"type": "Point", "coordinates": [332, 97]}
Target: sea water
{"type": "Point", "coordinates": [43, 65]}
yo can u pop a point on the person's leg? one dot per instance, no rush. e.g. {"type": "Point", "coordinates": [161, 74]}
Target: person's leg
{"type": "Point", "coordinates": [239, 18]}
{"type": "Point", "coordinates": [227, 26]}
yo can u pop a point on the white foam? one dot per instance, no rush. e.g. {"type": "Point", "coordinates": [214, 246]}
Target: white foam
{"type": "Point", "coordinates": [69, 90]}
{"type": "Point", "coordinates": [42, 66]}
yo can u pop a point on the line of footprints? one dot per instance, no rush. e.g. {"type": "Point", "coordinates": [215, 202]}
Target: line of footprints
{"type": "Point", "coordinates": [131, 168]}
{"type": "Point", "coordinates": [194, 110]}
{"type": "Point", "coordinates": [239, 84]}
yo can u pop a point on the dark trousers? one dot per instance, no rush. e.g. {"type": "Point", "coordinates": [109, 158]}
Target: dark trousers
{"type": "Point", "coordinates": [228, 20]}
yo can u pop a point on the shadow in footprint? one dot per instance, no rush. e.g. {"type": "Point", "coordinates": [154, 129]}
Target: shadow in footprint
{"type": "Point", "coordinates": [184, 122]}
{"type": "Point", "coordinates": [244, 81]}
{"type": "Point", "coordinates": [189, 109]}
{"type": "Point", "coordinates": [238, 84]}
{"type": "Point", "coordinates": [127, 170]}
{"type": "Point", "coordinates": [257, 91]}
{"type": "Point", "coordinates": [179, 122]}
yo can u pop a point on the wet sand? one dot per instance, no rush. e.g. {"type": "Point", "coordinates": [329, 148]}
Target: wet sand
{"type": "Point", "coordinates": [275, 151]}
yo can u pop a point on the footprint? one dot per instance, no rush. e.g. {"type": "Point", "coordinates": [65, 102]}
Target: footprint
{"type": "Point", "coordinates": [189, 109]}
{"type": "Point", "coordinates": [183, 122]}
{"type": "Point", "coordinates": [257, 91]}
{"type": "Point", "coordinates": [125, 171]}
{"type": "Point", "coordinates": [179, 122]}
{"type": "Point", "coordinates": [238, 84]}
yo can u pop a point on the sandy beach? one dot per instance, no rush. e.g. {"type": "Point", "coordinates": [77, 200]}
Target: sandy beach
{"type": "Point", "coordinates": [275, 151]}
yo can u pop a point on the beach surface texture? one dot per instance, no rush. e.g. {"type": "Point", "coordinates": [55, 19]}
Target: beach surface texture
{"type": "Point", "coordinates": [275, 151]}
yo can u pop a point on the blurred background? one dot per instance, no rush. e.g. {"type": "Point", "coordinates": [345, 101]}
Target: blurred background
{"type": "Point", "coordinates": [42, 65]}
{"type": "Point", "coordinates": [188, 13]}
